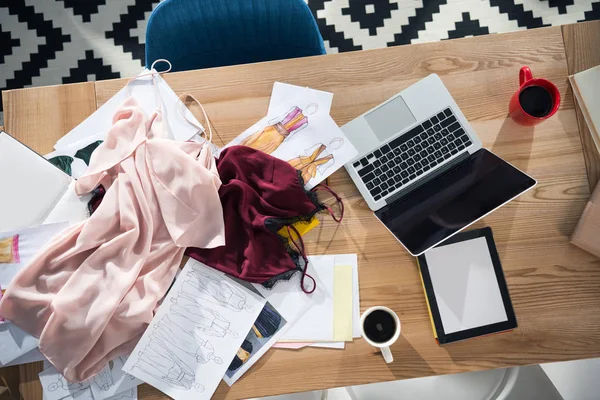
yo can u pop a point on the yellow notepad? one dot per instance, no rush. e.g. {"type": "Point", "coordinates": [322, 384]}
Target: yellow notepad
{"type": "Point", "coordinates": [302, 227]}
{"type": "Point", "coordinates": [342, 303]}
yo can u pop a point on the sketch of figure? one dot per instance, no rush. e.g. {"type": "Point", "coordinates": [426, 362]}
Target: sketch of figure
{"type": "Point", "coordinates": [214, 290]}
{"type": "Point", "coordinates": [271, 136]}
{"type": "Point", "coordinates": [315, 160]}
{"type": "Point", "coordinates": [170, 333]}
{"type": "Point", "coordinates": [104, 379]}
{"type": "Point", "coordinates": [162, 363]}
{"type": "Point", "coordinates": [63, 384]}
{"type": "Point", "coordinates": [205, 319]}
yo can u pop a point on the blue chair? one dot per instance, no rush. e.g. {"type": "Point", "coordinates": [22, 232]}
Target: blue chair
{"type": "Point", "coordinates": [195, 34]}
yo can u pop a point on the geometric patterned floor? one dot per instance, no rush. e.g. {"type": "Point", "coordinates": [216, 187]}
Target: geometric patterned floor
{"type": "Point", "coordinates": [48, 42]}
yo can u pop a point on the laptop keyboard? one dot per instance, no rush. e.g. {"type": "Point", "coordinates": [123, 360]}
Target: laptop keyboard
{"type": "Point", "coordinates": [407, 157]}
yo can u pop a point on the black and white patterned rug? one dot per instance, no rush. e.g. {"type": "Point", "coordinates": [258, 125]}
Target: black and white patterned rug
{"type": "Point", "coordinates": [48, 42]}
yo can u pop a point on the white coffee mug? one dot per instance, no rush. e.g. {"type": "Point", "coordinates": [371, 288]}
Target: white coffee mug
{"type": "Point", "coordinates": [384, 347]}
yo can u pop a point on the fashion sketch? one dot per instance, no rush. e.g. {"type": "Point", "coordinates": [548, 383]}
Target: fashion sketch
{"type": "Point", "coordinates": [316, 159]}
{"type": "Point", "coordinates": [63, 384]}
{"type": "Point", "coordinates": [279, 129]}
{"type": "Point", "coordinates": [205, 320]}
{"type": "Point", "coordinates": [202, 285]}
{"type": "Point", "coordinates": [9, 250]}
{"type": "Point", "coordinates": [168, 332]}
{"type": "Point", "coordinates": [161, 362]}
{"type": "Point", "coordinates": [129, 394]}
{"type": "Point", "coordinates": [104, 379]}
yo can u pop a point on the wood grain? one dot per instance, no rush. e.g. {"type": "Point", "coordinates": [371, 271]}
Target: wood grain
{"type": "Point", "coordinates": [555, 287]}
{"type": "Point", "coordinates": [42, 115]}
{"type": "Point", "coordinates": [582, 42]}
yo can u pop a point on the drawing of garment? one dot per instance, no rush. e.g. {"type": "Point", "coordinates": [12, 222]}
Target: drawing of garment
{"type": "Point", "coordinates": [169, 333]}
{"type": "Point", "coordinates": [104, 379]}
{"type": "Point", "coordinates": [62, 383]}
{"type": "Point", "coordinates": [213, 290]}
{"type": "Point", "coordinates": [308, 165]}
{"type": "Point", "coordinates": [9, 250]}
{"type": "Point", "coordinates": [270, 137]}
{"type": "Point", "coordinates": [162, 363]}
{"type": "Point", "coordinates": [205, 319]}
{"type": "Point", "coordinates": [130, 394]}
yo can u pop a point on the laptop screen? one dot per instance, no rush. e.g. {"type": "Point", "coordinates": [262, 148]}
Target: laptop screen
{"type": "Point", "coordinates": [453, 200]}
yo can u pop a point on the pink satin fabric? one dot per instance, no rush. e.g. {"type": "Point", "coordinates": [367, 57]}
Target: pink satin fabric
{"type": "Point", "coordinates": [92, 291]}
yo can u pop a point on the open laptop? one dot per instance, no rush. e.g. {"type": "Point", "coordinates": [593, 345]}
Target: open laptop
{"type": "Point", "coordinates": [422, 169]}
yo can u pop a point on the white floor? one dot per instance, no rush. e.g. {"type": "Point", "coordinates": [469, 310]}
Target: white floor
{"type": "Point", "coordinates": [571, 380]}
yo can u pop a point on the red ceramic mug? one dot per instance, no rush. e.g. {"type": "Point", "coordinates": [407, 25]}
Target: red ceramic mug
{"type": "Point", "coordinates": [536, 100]}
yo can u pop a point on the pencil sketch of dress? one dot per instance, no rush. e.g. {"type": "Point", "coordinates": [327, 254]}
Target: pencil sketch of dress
{"type": "Point", "coordinates": [205, 319]}
{"type": "Point", "coordinates": [269, 138]}
{"type": "Point", "coordinates": [62, 383]}
{"type": "Point", "coordinates": [169, 333]}
{"type": "Point", "coordinates": [162, 363]}
{"type": "Point", "coordinates": [203, 286]}
{"type": "Point", "coordinates": [130, 394]}
{"type": "Point", "coordinates": [104, 379]}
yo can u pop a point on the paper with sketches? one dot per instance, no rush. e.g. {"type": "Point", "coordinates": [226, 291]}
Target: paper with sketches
{"type": "Point", "coordinates": [342, 303]}
{"type": "Point", "coordinates": [300, 131]}
{"type": "Point", "coordinates": [265, 332]}
{"type": "Point", "coordinates": [25, 244]}
{"type": "Point", "coordinates": [97, 125]}
{"type": "Point", "coordinates": [14, 342]}
{"type": "Point", "coordinates": [316, 324]}
{"type": "Point", "coordinates": [112, 380]}
{"type": "Point", "coordinates": [56, 387]}
{"type": "Point", "coordinates": [352, 260]}
{"type": "Point", "coordinates": [195, 334]}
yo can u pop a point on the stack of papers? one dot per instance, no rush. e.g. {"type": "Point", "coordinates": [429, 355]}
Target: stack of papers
{"type": "Point", "coordinates": [333, 316]}
{"type": "Point", "coordinates": [586, 86]}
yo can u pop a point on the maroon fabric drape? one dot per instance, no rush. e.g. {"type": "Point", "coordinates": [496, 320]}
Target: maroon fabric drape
{"type": "Point", "coordinates": [260, 194]}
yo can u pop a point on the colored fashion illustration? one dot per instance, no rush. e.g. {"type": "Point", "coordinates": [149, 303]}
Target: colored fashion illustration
{"type": "Point", "coordinates": [161, 362]}
{"type": "Point", "coordinates": [9, 250]}
{"type": "Point", "coordinates": [169, 332]}
{"type": "Point", "coordinates": [206, 320]}
{"type": "Point", "coordinates": [316, 159]}
{"type": "Point", "coordinates": [267, 323]}
{"type": "Point", "coordinates": [243, 354]}
{"type": "Point", "coordinates": [62, 384]}
{"type": "Point", "coordinates": [279, 129]}
{"type": "Point", "coordinates": [205, 286]}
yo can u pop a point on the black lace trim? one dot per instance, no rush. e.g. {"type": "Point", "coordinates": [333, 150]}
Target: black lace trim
{"type": "Point", "coordinates": [275, 224]}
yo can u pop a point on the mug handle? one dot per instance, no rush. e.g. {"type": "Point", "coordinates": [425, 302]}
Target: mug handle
{"type": "Point", "coordinates": [387, 354]}
{"type": "Point", "coordinates": [524, 75]}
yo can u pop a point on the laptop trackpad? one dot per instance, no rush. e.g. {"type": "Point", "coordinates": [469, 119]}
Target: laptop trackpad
{"type": "Point", "coordinates": [389, 119]}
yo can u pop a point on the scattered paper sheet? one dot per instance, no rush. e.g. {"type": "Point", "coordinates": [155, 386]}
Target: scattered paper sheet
{"type": "Point", "coordinates": [25, 244]}
{"type": "Point", "coordinates": [265, 332]}
{"type": "Point", "coordinates": [32, 185]}
{"type": "Point", "coordinates": [301, 345]}
{"type": "Point", "coordinates": [316, 324]}
{"type": "Point", "coordinates": [112, 380]}
{"type": "Point", "coordinates": [342, 303]}
{"type": "Point", "coordinates": [70, 208]}
{"type": "Point", "coordinates": [195, 334]}
{"type": "Point", "coordinates": [30, 357]}
{"type": "Point", "coordinates": [352, 260]}
{"type": "Point", "coordinates": [56, 387]}
{"type": "Point", "coordinates": [86, 394]}
{"type": "Point", "coordinates": [330, 345]}
{"type": "Point", "coordinates": [299, 130]}
{"type": "Point", "coordinates": [14, 342]}
{"type": "Point", "coordinates": [97, 125]}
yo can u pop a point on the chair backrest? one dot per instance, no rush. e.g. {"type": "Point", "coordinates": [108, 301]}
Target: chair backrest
{"type": "Point", "coordinates": [195, 34]}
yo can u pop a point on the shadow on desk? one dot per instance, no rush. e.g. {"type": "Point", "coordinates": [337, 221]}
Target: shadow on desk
{"type": "Point", "coordinates": [408, 363]}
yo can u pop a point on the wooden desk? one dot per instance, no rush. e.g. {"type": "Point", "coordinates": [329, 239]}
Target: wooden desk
{"type": "Point", "coordinates": [554, 286]}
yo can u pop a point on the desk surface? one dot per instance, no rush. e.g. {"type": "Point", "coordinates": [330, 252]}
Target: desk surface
{"type": "Point", "coordinates": [554, 286]}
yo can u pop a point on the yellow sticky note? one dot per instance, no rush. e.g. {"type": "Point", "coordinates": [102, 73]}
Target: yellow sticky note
{"type": "Point", "coordinates": [302, 226]}
{"type": "Point", "coordinates": [342, 303]}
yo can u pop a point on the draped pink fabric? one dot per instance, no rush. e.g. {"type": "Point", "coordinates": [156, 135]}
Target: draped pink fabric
{"type": "Point", "coordinates": [92, 291]}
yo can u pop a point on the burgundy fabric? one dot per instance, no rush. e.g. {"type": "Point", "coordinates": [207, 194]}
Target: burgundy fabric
{"type": "Point", "coordinates": [260, 194]}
